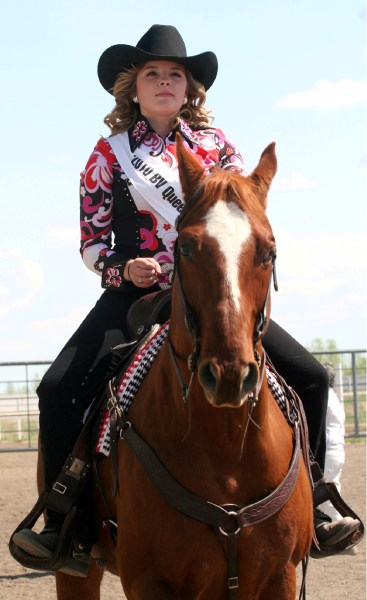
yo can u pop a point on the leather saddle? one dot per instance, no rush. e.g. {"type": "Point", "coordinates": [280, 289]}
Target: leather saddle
{"type": "Point", "coordinates": [147, 311]}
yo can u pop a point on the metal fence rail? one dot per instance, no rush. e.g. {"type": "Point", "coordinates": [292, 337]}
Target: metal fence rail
{"type": "Point", "coordinates": [350, 386]}
{"type": "Point", "coordinates": [19, 402]}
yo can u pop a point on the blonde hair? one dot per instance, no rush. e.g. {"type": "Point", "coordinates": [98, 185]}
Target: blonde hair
{"type": "Point", "coordinates": [124, 114]}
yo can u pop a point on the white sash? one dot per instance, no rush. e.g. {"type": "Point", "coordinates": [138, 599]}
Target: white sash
{"type": "Point", "coordinates": [152, 179]}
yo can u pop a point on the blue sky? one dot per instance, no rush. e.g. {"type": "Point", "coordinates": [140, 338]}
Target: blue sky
{"type": "Point", "coordinates": [292, 71]}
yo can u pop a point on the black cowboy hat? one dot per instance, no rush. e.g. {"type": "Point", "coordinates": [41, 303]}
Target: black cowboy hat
{"type": "Point", "coordinates": [160, 42]}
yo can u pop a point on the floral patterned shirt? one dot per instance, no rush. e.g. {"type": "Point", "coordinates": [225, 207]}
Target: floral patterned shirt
{"type": "Point", "coordinates": [115, 224]}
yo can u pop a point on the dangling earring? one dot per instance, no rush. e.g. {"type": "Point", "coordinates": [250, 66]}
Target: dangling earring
{"type": "Point", "coordinates": [135, 100]}
{"type": "Point", "coordinates": [185, 100]}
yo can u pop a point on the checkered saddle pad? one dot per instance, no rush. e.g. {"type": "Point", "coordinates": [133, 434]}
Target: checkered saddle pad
{"type": "Point", "coordinates": [127, 384]}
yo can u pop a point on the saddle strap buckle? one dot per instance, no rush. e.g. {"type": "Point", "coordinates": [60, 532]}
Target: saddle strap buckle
{"type": "Point", "coordinates": [69, 485]}
{"type": "Point", "coordinates": [232, 583]}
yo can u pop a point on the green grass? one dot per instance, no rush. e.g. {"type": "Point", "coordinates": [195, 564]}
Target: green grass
{"type": "Point", "coordinates": [349, 413]}
{"type": "Point", "coordinates": [10, 432]}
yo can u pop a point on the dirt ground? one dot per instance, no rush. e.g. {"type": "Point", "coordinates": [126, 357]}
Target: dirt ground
{"type": "Point", "coordinates": [336, 578]}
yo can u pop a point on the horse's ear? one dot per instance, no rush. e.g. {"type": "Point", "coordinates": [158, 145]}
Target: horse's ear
{"type": "Point", "coordinates": [191, 173]}
{"type": "Point", "coordinates": [263, 175]}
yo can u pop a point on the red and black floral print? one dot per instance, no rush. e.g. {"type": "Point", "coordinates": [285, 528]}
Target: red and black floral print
{"type": "Point", "coordinates": [116, 224]}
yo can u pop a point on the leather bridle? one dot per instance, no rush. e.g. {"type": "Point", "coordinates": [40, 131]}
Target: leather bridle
{"type": "Point", "coordinates": [192, 325]}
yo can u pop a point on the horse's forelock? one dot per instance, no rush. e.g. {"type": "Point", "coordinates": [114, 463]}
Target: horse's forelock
{"type": "Point", "coordinates": [229, 186]}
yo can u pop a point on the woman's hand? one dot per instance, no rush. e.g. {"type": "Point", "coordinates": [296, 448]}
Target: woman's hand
{"type": "Point", "coordinates": [142, 272]}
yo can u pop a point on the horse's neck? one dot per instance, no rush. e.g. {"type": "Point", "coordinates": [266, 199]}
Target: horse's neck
{"type": "Point", "coordinates": [233, 429]}
{"type": "Point", "coordinates": [205, 447]}
{"type": "Point", "coordinates": [215, 431]}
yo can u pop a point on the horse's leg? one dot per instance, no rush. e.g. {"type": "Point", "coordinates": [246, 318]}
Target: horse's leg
{"type": "Point", "coordinates": [69, 587]}
{"type": "Point", "coordinates": [147, 588]}
{"type": "Point", "coordinates": [281, 586]}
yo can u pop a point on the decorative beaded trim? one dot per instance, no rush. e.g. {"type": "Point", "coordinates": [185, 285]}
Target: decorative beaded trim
{"type": "Point", "coordinates": [129, 383]}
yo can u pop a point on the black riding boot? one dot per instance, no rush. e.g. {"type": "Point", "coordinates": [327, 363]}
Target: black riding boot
{"type": "Point", "coordinates": [43, 544]}
{"type": "Point", "coordinates": [75, 542]}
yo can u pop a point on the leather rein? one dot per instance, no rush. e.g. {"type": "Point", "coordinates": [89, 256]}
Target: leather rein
{"type": "Point", "coordinates": [228, 520]}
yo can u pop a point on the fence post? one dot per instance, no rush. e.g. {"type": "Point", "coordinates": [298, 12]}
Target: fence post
{"type": "Point", "coordinates": [339, 382]}
{"type": "Point", "coordinates": [28, 413]}
{"type": "Point", "coordinates": [355, 394]}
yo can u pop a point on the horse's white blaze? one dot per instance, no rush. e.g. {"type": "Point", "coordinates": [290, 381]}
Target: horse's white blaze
{"type": "Point", "coordinates": [229, 225]}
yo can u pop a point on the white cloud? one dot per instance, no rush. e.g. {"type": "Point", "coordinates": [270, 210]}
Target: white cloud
{"type": "Point", "coordinates": [322, 291]}
{"type": "Point", "coordinates": [62, 235]}
{"type": "Point", "coordinates": [317, 266]}
{"type": "Point", "coordinates": [24, 336]}
{"type": "Point", "coordinates": [33, 272]}
{"type": "Point", "coordinates": [294, 183]}
{"type": "Point", "coordinates": [327, 95]}
{"type": "Point", "coordinates": [9, 254]}
{"type": "Point", "coordinates": [22, 278]}
{"type": "Point", "coordinates": [362, 163]}
{"type": "Point", "coordinates": [59, 159]}
{"type": "Point", "coordinates": [69, 321]}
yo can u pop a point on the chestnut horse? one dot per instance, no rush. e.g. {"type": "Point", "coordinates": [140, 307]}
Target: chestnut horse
{"type": "Point", "coordinates": [228, 443]}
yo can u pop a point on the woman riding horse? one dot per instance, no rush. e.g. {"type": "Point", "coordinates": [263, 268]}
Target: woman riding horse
{"type": "Point", "coordinates": [130, 197]}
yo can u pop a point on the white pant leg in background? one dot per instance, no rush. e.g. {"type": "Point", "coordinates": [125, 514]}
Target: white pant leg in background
{"type": "Point", "coordinates": [334, 463]}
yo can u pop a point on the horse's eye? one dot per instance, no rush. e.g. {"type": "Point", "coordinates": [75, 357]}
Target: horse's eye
{"type": "Point", "coordinates": [185, 250]}
{"type": "Point", "coordinates": [270, 256]}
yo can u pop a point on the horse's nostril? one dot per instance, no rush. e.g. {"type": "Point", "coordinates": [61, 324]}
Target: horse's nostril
{"type": "Point", "coordinates": [226, 384]}
{"type": "Point", "coordinates": [208, 377]}
{"type": "Point", "coordinates": [250, 378]}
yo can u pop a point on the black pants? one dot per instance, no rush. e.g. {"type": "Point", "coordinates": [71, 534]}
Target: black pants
{"type": "Point", "coordinates": [84, 364]}
{"type": "Point", "coordinates": [77, 375]}
{"type": "Point", "coordinates": [307, 377]}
